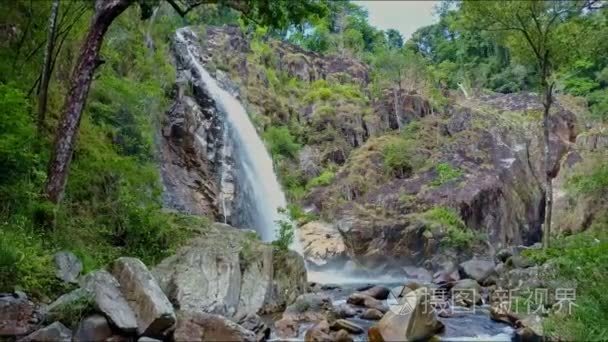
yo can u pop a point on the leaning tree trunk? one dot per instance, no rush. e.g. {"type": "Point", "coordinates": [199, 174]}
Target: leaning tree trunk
{"type": "Point", "coordinates": [46, 66]}
{"type": "Point", "coordinates": [105, 13]}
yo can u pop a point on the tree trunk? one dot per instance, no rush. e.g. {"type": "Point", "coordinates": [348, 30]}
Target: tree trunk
{"type": "Point", "coordinates": [548, 90]}
{"type": "Point", "coordinates": [67, 131]}
{"type": "Point", "coordinates": [46, 67]}
{"type": "Point", "coordinates": [396, 108]}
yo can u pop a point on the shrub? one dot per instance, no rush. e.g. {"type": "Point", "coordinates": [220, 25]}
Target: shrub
{"type": "Point", "coordinates": [324, 179]}
{"type": "Point", "coordinates": [281, 142]}
{"type": "Point", "coordinates": [285, 235]}
{"type": "Point", "coordinates": [396, 156]}
{"type": "Point", "coordinates": [457, 233]}
{"type": "Point", "coordinates": [446, 173]}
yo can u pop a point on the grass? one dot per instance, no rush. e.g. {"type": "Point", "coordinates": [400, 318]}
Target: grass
{"type": "Point", "coordinates": [457, 234]}
{"type": "Point", "coordinates": [582, 258]}
{"type": "Point", "coordinates": [445, 174]}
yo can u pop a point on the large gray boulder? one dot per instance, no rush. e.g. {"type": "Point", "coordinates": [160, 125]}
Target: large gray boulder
{"type": "Point", "coordinates": [93, 329]}
{"type": "Point", "coordinates": [409, 321]}
{"type": "Point", "coordinates": [199, 326]}
{"type": "Point", "coordinates": [68, 266]}
{"type": "Point", "coordinates": [478, 269]}
{"type": "Point", "coordinates": [110, 300]}
{"type": "Point", "coordinates": [55, 332]}
{"type": "Point", "coordinates": [153, 311]}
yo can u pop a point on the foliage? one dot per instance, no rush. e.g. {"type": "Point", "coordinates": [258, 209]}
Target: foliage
{"type": "Point", "coordinates": [324, 179]}
{"type": "Point", "coordinates": [396, 155]}
{"type": "Point", "coordinates": [281, 142]}
{"type": "Point", "coordinates": [582, 258]}
{"type": "Point", "coordinates": [594, 180]}
{"type": "Point", "coordinates": [457, 233]}
{"type": "Point", "coordinates": [285, 235]}
{"type": "Point", "coordinates": [446, 173]}
{"type": "Point", "coordinates": [73, 312]}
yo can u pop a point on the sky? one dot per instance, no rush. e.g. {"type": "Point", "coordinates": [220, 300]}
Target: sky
{"type": "Point", "coordinates": [404, 16]}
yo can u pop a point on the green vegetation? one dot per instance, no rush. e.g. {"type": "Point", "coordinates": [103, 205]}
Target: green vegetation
{"type": "Point", "coordinates": [446, 173]}
{"type": "Point", "coordinates": [281, 142]}
{"type": "Point", "coordinates": [72, 313]}
{"type": "Point", "coordinates": [324, 179]}
{"type": "Point", "coordinates": [582, 258]}
{"type": "Point", "coordinates": [285, 235]}
{"type": "Point", "coordinates": [457, 234]}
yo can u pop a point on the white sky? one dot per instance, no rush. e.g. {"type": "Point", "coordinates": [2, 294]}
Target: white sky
{"type": "Point", "coordinates": [404, 16]}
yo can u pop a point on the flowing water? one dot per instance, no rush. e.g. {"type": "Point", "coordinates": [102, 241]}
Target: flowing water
{"type": "Point", "coordinates": [259, 195]}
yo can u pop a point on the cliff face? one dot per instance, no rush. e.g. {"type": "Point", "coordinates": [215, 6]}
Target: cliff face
{"type": "Point", "coordinates": [408, 181]}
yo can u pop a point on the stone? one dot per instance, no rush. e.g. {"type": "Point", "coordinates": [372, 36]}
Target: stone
{"type": "Point", "coordinates": [199, 326]}
{"type": "Point", "coordinates": [69, 300]}
{"type": "Point", "coordinates": [372, 314]}
{"type": "Point", "coordinates": [18, 315]}
{"type": "Point", "coordinates": [147, 339]}
{"type": "Point", "coordinates": [345, 311]}
{"type": "Point", "coordinates": [286, 328]}
{"type": "Point", "coordinates": [321, 242]}
{"type": "Point", "coordinates": [310, 307]}
{"type": "Point", "coordinates": [414, 321]}
{"type": "Point", "coordinates": [153, 311]}
{"type": "Point", "coordinates": [53, 332]}
{"type": "Point", "coordinates": [367, 301]}
{"type": "Point", "coordinates": [254, 323]}
{"type": "Point", "coordinates": [533, 327]}
{"type": "Point", "coordinates": [342, 324]}
{"type": "Point", "coordinates": [519, 261]}
{"type": "Point", "coordinates": [68, 266]}
{"type": "Point", "coordinates": [110, 300]}
{"type": "Point", "coordinates": [377, 292]}
{"type": "Point", "coordinates": [318, 333]}
{"type": "Point", "coordinates": [467, 292]}
{"type": "Point", "coordinates": [477, 269]}
{"type": "Point", "coordinates": [341, 336]}
{"type": "Point", "coordinates": [93, 329]}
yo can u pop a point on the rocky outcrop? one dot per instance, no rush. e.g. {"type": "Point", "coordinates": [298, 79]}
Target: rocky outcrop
{"type": "Point", "coordinates": [228, 271]}
{"type": "Point", "coordinates": [397, 108]}
{"type": "Point", "coordinates": [321, 243]}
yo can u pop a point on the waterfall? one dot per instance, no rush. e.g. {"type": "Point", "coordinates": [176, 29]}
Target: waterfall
{"type": "Point", "coordinates": [258, 193]}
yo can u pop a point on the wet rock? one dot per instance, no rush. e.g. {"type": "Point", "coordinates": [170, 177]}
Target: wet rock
{"type": "Point", "coordinates": [467, 292]}
{"type": "Point", "coordinates": [413, 324]}
{"type": "Point", "coordinates": [93, 329]}
{"type": "Point", "coordinates": [286, 328]}
{"type": "Point", "coordinates": [341, 336]}
{"type": "Point", "coordinates": [254, 323]}
{"type": "Point", "coordinates": [199, 326]}
{"type": "Point", "coordinates": [53, 332]}
{"type": "Point", "coordinates": [367, 301]}
{"type": "Point", "coordinates": [342, 324]}
{"type": "Point", "coordinates": [18, 315]}
{"type": "Point", "coordinates": [321, 242]}
{"type": "Point", "coordinates": [477, 269]}
{"type": "Point", "coordinates": [318, 333]}
{"type": "Point", "coordinates": [377, 292]}
{"type": "Point", "coordinates": [372, 314]}
{"type": "Point", "coordinates": [345, 311]}
{"type": "Point", "coordinates": [68, 266]}
{"type": "Point", "coordinates": [153, 311]}
{"type": "Point", "coordinates": [110, 300]}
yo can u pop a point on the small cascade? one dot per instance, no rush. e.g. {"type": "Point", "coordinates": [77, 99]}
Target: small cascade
{"type": "Point", "coordinates": [258, 195]}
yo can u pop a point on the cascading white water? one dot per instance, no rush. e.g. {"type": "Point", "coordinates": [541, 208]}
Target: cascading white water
{"type": "Point", "coordinates": [259, 192]}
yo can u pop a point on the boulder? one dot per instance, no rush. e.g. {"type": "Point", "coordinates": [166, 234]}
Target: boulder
{"type": "Point", "coordinates": [377, 292]}
{"type": "Point", "coordinates": [93, 329]}
{"type": "Point", "coordinates": [68, 266]}
{"type": "Point", "coordinates": [199, 326]}
{"type": "Point", "coordinates": [372, 314]}
{"type": "Point", "coordinates": [254, 323]}
{"type": "Point", "coordinates": [345, 311]}
{"type": "Point", "coordinates": [321, 242]}
{"type": "Point", "coordinates": [342, 324]}
{"type": "Point", "coordinates": [110, 300]}
{"type": "Point", "coordinates": [413, 322]}
{"type": "Point", "coordinates": [531, 328]}
{"type": "Point", "coordinates": [310, 307]}
{"type": "Point", "coordinates": [367, 301]}
{"type": "Point", "coordinates": [519, 261]}
{"type": "Point", "coordinates": [341, 336]}
{"type": "Point", "coordinates": [477, 269]}
{"type": "Point", "coordinates": [147, 339]}
{"type": "Point", "coordinates": [153, 311]}
{"type": "Point", "coordinates": [466, 292]}
{"type": "Point", "coordinates": [318, 333]}
{"type": "Point", "coordinates": [18, 315]}
{"type": "Point", "coordinates": [78, 297]}
{"type": "Point", "coordinates": [286, 328]}
{"type": "Point", "coordinates": [53, 332]}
